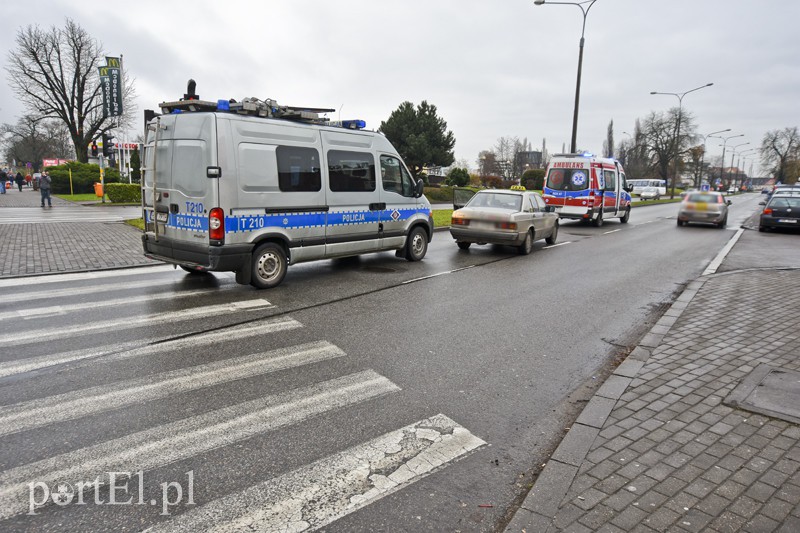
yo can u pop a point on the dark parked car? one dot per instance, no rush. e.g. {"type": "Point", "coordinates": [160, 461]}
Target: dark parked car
{"type": "Point", "coordinates": [781, 211]}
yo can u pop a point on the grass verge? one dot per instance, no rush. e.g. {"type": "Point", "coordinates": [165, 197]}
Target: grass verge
{"type": "Point", "coordinates": [136, 223]}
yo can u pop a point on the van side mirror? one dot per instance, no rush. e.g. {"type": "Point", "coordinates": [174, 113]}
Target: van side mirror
{"type": "Point", "coordinates": [418, 188]}
{"type": "Point", "coordinates": [729, 202]}
{"type": "Point", "coordinates": [628, 188]}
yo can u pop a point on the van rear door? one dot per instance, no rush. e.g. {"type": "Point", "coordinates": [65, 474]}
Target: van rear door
{"type": "Point", "coordinates": [182, 194]}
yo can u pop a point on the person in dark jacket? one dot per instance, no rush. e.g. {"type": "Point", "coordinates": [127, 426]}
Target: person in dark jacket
{"type": "Point", "coordinates": [20, 180]}
{"type": "Point", "coordinates": [44, 189]}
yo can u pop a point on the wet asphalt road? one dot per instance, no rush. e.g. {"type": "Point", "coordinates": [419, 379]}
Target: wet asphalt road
{"type": "Point", "coordinates": [103, 372]}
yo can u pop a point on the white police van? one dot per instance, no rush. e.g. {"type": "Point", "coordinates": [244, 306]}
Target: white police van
{"type": "Point", "coordinates": [253, 187]}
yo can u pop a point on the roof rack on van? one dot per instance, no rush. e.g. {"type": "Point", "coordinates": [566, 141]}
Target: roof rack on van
{"type": "Point", "coordinates": [191, 103]}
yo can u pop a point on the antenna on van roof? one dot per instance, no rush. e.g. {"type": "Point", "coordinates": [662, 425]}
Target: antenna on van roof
{"type": "Point", "coordinates": [251, 106]}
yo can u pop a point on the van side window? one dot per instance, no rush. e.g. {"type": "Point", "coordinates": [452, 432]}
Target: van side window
{"type": "Point", "coordinates": [610, 178]}
{"type": "Point", "coordinates": [298, 169]}
{"type": "Point", "coordinates": [351, 171]}
{"type": "Point", "coordinates": [622, 181]}
{"type": "Point", "coordinates": [395, 177]}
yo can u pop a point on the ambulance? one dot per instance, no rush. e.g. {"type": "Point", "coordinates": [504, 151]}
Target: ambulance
{"type": "Point", "coordinates": [253, 187]}
{"type": "Point", "coordinates": [588, 188]}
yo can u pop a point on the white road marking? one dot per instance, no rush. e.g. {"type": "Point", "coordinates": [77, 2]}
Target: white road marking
{"type": "Point", "coordinates": [715, 264]}
{"type": "Point", "coordinates": [82, 276]}
{"type": "Point", "coordinates": [126, 350]}
{"type": "Point", "coordinates": [612, 231]}
{"type": "Point", "coordinates": [85, 402]}
{"type": "Point", "coordinates": [557, 245]}
{"type": "Point", "coordinates": [133, 322]}
{"type": "Point", "coordinates": [186, 438]}
{"type": "Point", "coordinates": [315, 495]}
{"type": "Point", "coordinates": [83, 290]}
{"type": "Point", "coordinates": [120, 302]}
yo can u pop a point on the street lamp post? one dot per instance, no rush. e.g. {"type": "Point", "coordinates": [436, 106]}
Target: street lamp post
{"type": "Point", "coordinates": [585, 11]}
{"type": "Point", "coordinates": [738, 159]}
{"type": "Point", "coordinates": [742, 159]}
{"type": "Point", "coordinates": [703, 156]}
{"type": "Point", "coordinates": [733, 153]}
{"type": "Point", "coordinates": [722, 166]}
{"type": "Point", "coordinates": [679, 96]}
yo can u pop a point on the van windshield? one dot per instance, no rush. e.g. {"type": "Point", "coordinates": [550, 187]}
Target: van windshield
{"type": "Point", "coordinates": [568, 179]}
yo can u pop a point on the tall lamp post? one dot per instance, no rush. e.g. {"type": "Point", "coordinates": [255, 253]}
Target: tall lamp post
{"type": "Point", "coordinates": [733, 153]}
{"type": "Point", "coordinates": [585, 11]}
{"type": "Point", "coordinates": [738, 155]}
{"type": "Point", "coordinates": [742, 159]}
{"type": "Point", "coordinates": [725, 141]}
{"type": "Point", "coordinates": [703, 156]}
{"type": "Point", "coordinates": [738, 170]}
{"type": "Point", "coordinates": [679, 96]}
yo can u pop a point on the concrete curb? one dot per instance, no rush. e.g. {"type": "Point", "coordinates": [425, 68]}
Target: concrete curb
{"type": "Point", "coordinates": [542, 502]}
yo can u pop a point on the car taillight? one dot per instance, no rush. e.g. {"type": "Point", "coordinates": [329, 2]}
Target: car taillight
{"type": "Point", "coordinates": [719, 199]}
{"type": "Point", "coordinates": [767, 210]}
{"type": "Point", "coordinates": [459, 221]}
{"type": "Point", "coordinates": [216, 224]}
{"type": "Point", "coordinates": [506, 225]}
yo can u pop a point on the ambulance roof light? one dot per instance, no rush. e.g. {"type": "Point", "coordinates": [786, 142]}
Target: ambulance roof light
{"type": "Point", "coordinates": [223, 105]}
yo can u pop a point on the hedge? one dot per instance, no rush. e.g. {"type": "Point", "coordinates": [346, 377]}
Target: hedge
{"type": "Point", "coordinates": [124, 193]}
{"type": "Point", "coordinates": [435, 194]}
{"type": "Point", "coordinates": [84, 176]}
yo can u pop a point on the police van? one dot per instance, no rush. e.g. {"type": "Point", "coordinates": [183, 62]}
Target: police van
{"type": "Point", "coordinates": [253, 187]}
{"type": "Point", "coordinates": [588, 188]}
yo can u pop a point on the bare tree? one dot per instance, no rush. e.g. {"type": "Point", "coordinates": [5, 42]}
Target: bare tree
{"type": "Point", "coordinates": [608, 144]}
{"type": "Point", "coordinates": [779, 149]}
{"type": "Point", "coordinates": [54, 74]}
{"type": "Point", "coordinates": [664, 145]}
{"type": "Point", "coordinates": [31, 140]}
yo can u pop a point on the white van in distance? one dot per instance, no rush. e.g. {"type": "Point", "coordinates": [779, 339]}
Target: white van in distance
{"type": "Point", "coordinates": [253, 187]}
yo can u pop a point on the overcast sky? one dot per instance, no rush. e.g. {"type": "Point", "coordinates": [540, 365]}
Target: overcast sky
{"type": "Point", "coordinates": [492, 68]}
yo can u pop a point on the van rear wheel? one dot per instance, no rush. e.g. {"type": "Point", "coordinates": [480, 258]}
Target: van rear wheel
{"type": "Point", "coordinates": [269, 266]}
{"type": "Point", "coordinates": [598, 221]}
{"type": "Point", "coordinates": [416, 244]}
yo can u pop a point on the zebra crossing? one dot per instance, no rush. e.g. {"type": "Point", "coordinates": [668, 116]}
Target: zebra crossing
{"type": "Point", "coordinates": [245, 363]}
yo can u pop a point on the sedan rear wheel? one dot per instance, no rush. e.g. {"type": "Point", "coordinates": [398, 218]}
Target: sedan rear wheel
{"type": "Point", "coordinates": [463, 245]}
{"type": "Point", "coordinates": [527, 245]}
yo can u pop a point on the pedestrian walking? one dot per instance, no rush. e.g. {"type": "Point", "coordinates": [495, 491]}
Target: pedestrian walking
{"type": "Point", "coordinates": [28, 179]}
{"type": "Point", "coordinates": [3, 179]}
{"type": "Point", "coordinates": [44, 188]}
{"type": "Point", "coordinates": [20, 180]}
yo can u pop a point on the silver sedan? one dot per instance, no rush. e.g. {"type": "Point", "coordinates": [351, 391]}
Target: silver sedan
{"type": "Point", "coordinates": [498, 216]}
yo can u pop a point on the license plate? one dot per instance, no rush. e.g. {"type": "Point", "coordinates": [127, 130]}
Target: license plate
{"type": "Point", "coordinates": [787, 220]}
{"type": "Point", "coordinates": [162, 217]}
{"type": "Point", "coordinates": [481, 225]}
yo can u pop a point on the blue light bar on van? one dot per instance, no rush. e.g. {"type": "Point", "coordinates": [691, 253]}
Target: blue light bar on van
{"type": "Point", "coordinates": [223, 105]}
{"type": "Point", "coordinates": [354, 124]}
{"type": "Point", "coordinates": [587, 154]}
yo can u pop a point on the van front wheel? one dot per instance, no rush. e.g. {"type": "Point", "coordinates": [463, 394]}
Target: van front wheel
{"type": "Point", "coordinates": [269, 266]}
{"type": "Point", "coordinates": [416, 244]}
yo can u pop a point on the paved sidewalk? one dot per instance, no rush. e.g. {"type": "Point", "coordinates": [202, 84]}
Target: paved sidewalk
{"type": "Point", "coordinates": [54, 247]}
{"type": "Point", "coordinates": [659, 448]}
